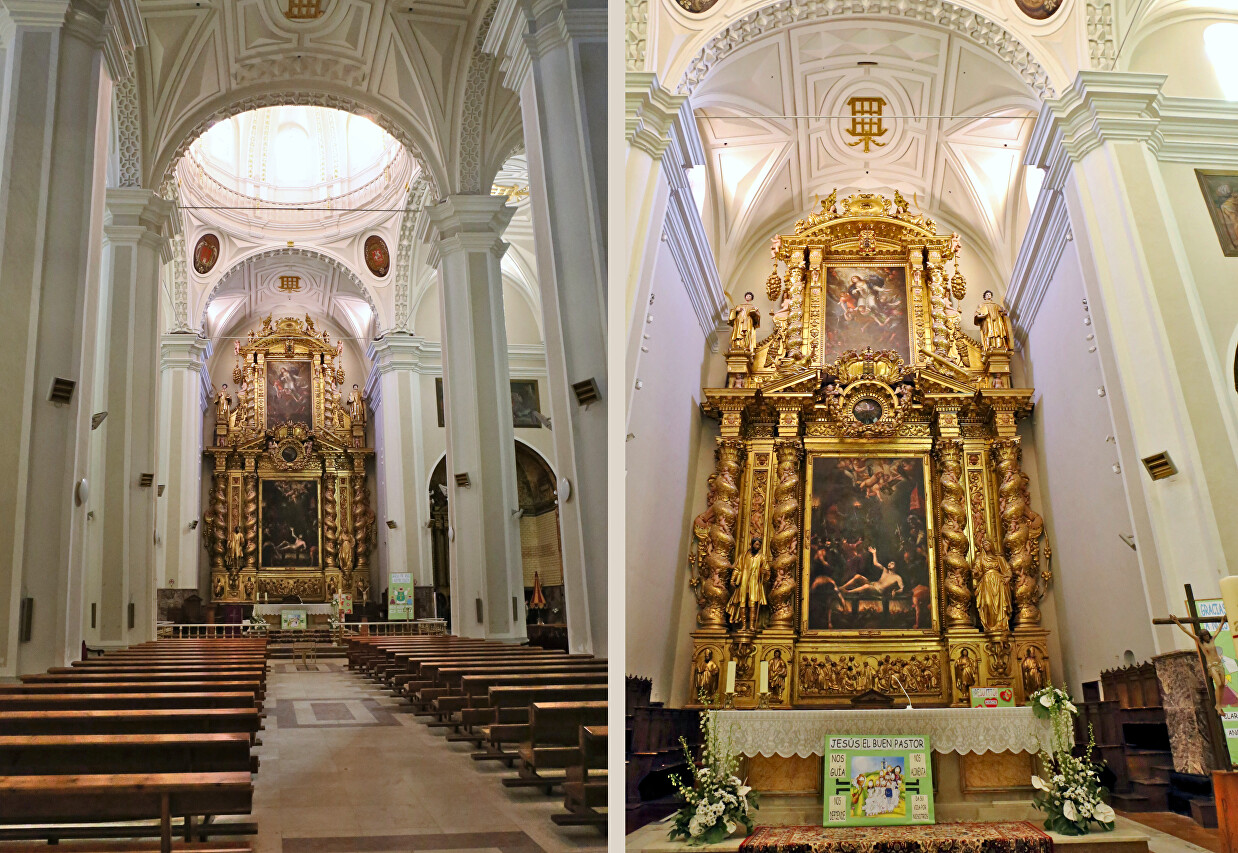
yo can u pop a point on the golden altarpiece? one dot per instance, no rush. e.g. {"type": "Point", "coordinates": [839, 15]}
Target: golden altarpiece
{"type": "Point", "coordinates": [289, 511]}
{"type": "Point", "coordinates": [868, 526]}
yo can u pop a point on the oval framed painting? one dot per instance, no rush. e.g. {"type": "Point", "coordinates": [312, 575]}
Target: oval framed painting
{"type": "Point", "coordinates": [1038, 10]}
{"type": "Point", "coordinates": [377, 258]}
{"type": "Point", "coordinates": [205, 254]}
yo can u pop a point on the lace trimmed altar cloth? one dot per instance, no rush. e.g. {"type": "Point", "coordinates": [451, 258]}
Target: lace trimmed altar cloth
{"type": "Point", "coordinates": [962, 730]}
{"type": "Point", "coordinates": [274, 609]}
{"type": "Point", "coordinates": [996, 837]}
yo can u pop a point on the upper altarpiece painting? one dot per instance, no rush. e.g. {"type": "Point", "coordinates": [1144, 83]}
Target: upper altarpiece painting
{"type": "Point", "coordinates": [868, 525]}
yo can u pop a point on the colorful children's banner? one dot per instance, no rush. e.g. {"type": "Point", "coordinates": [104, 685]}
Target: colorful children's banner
{"type": "Point", "coordinates": [878, 781]}
{"type": "Point", "coordinates": [992, 697]}
{"type": "Point", "coordinates": [400, 596]}
{"type": "Point", "coordinates": [293, 620]}
{"type": "Point", "coordinates": [1223, 636]}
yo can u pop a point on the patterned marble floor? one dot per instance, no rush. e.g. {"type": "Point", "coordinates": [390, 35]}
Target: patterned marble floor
{"type": "Point", "coordinates": [345, 770]}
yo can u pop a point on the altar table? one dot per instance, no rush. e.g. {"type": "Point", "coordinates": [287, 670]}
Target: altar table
{"type": "Point", "coordinates": [959, 730]}
{"type": "Point", "coordinates": [274, 609]}
{"type": "Point", "coordinates": [983, 758]}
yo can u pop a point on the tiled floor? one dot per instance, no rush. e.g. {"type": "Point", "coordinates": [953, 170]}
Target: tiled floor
{"type": "Point", "coordinates": [344, 769]}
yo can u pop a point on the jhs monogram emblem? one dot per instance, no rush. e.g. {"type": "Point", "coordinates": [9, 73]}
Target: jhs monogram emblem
{"type": "Point", "coordinates": [304, 10]}
{"type": "Point", "coordinates": [868, 241]}
{"type": "Point", "coordinates": [290, 283]}
{"type": "Point", "coordinates": [866, 123]}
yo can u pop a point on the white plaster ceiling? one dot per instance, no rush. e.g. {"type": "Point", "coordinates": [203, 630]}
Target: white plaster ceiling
{"type": "Point", "coordinates": [957, 120]}
{"type": "Point", "coordinates": [252, 290]}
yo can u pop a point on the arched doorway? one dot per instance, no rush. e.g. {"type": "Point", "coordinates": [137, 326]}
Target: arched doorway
{"type": "Point", "coordinates": [540, 548]}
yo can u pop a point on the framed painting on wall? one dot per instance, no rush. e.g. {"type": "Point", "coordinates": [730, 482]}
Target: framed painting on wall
{"type": "Point", "coordinates": [290, 392]}
{"type": "Point", "coordinates": [525, 404]}
{"type": "Point", "coordinates": [866, 307]}
{"type": "Point", "coordinates": [1220, 191]}
{"type": "Point", "coordinates": [289, 524]}
{"type": "Point", "coordinates": [868, 531]}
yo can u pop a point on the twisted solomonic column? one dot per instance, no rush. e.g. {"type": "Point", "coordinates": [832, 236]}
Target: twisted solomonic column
{"type": "Point", "coordinates": [330, 521]}
{"type": "Point", "coordinates": [361, 520]}
{"type": "Point", "coordinates": [953, 533]}
{"type": "Point", "coordinates": [784, 543]}
{"type": "Point", "coordinates": [1021, 530]}
{"type": "Point", "coordinates": [219, 520]}
{"type": "Point", "coordinates": [251, 521]}
{"type": "Point", "coordinates": [937, 307]}
{"type": "Point", "coordinates": [711, 591]}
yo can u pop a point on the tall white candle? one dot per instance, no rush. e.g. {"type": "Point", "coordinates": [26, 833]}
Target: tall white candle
{"type": "Point", "coordinates": [1229, 595]}
{"type": "Point", "coordinates": [730, 676]}
{"type": "Point", "coordinates": [763, 681]}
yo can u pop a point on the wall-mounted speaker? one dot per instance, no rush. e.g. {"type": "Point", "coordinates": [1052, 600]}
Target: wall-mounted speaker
{"type": "Point", "coordinates": [25, 620]}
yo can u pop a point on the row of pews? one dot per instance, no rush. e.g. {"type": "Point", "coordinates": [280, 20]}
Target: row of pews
{"type": "Point", "coordinates": [542, 713]}
{"type": "Point", "coordinates": [154, 732]}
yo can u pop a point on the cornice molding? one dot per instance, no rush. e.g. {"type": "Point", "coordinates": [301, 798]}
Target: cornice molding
{"type": "Point", "coordinates": [183, 351]}
{"type": "Point", "coordinates": [683, 229]}
{"type": "Point", "coordinates": [32, 14]}
{"type": "Point", "coordinates": [1107, 106]}
{"type": "Point", "coordinates": [649, 111]}
{"type": "Point", "coordinates": [399, 352]}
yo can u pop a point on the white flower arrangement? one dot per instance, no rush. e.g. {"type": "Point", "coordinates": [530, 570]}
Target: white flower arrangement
{"type": "Point", "coordinates": [717, 802]}
{"type": "Point", "coordinates": [1070, 793]}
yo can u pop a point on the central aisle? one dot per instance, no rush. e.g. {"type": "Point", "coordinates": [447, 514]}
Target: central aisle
{"type": "Point", "coordinates": [342, 759]}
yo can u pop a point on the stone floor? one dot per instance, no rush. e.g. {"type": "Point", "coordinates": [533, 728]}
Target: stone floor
{"type": "Point", "coordinates": [344, 769]}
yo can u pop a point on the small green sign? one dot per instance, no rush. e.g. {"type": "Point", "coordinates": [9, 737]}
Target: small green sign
{"type": "Point", "coordinates": [878, 781]}
{"type": "Point", "coordinates": [992, 697]}
{"type": "Point", "coordinates": [292, 620]}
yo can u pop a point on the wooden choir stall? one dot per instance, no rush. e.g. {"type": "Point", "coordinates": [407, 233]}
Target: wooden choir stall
{"type": "Point", "coordinates": [868, 532]}
{"type": "Point", "coordinates": [289, 510]}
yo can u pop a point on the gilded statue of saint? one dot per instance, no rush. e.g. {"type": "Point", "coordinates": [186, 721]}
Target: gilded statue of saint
{"type": "Point", "coordinates": [222, 402]}
{"type": "Point", "coordinates": [964, 673]}
{"type": "Point", "coordinates": [994, 325]}
{"type": "Point", "coordinates": [1033, 672]}
{"type": "Point", "coordinates": [346, 551]}
{"type": "Point", "coordinates": [236, 547]}
{"type": "Point", "coordinates": [777, 675]}
{"type": "Point", "coordinates": [744, 318]}
{"type": "Point", "coordinates": [356, 406]}
{"type": "Point", "coordinates": [748, 578]}
{"type": "Point", "coordinates": [705, 679]}
{"type": "Point", "coordinates": [991, 574]}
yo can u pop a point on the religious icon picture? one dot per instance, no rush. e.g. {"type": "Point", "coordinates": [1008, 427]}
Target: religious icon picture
{"type": "Point", "coordinates": [866, 307]}
{"type": "Point", "coordinates": [289, 524]}
{"type": "Point", "coordinates": [1220, 191]}
{"type": "Point", "coordinates": [869, 542]}
{"type": "Point", "coordinates": [290, 395]}
{"type": "Point", "coordinates": [525, 404]}
{"type": "Point", "coordinates": [874, 781]}
{"type": "Point", "coordinates": [377, 257]}
{"type": "Point", "coordinates": [205, 254]}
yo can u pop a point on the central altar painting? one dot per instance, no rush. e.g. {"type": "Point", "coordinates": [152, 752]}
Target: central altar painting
{"type": "Point", "coordinates": [868, 530]}
{"type": "Point", "coordinates": [289, 508]}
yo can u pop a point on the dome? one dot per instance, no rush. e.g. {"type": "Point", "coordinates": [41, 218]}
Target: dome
{"type": "Point", "coordinates": [294, 155]}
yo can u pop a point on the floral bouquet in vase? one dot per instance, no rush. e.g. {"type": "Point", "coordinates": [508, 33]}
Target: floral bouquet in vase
{"type": "Point", "coordinates": [1070, 793]}
{"type": "Point", "coordinates": [716, 802]}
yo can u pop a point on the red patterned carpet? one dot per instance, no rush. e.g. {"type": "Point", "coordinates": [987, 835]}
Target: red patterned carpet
{"type": "Point", "coordinates": [999, 837]}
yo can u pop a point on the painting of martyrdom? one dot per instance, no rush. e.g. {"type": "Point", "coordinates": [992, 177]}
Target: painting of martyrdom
{"type": "Point", "coordinates": [525, 403]}
{"type": "Point", "coordinates": [289, 524]}
{"type": "Point", "coordinates": [1220, 191]}
{"type": "Point", "coordinates": [868, 566]}
{"type": "Point", "coordinates": [290, 393]}
{"type": "Point", "coordinates": [866, 307]}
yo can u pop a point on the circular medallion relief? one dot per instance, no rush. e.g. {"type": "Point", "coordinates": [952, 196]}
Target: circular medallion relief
{"type": "Point", "coordinates": [1038, 9]}
{"type": "Point", "coordinates": [867, 411]}
{"type": "Point", "coordinates": [205, 254]}
{"type": "Point", "coordinates": [377, 258]}
{"type": "Point", "coordinates": [696, 6]}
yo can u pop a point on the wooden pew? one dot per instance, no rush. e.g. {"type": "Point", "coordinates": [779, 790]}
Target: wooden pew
{"type": "Point", "coordinates": [509, 714]}
{"type": "Point", "coordinates": [446, 707]}
{"type": "Point", "coordinates": [75, 754]}
{"type": "Point", "coordinates": [552, 741]}
{"type": "Point", "coordinates": [154, 721]}
{"type": "Point", "coordinates": [127, 686]}
{"type": "Point", "coordinates": [124, 701]}
{"type": "Point", "coordinates": [584, 789]}
{"type": "Point", "coordinates": [124, 797]}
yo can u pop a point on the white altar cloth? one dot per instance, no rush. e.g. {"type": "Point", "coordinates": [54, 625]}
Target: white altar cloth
{"type": "Point", "coordinates": [273, 609]}
{"type": "Point", "coordinates": [962, 730]}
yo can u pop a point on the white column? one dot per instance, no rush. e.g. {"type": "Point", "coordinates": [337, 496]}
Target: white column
{"type": "Point", "coordinates": [126, 357]}
{"type": "Point", "coordinates": [53, 122]}
{"type": "Point", "coordinates": [1137, 274]}
{"type": "Point", "coordinates": [394, 394]}
{"type": "Point", "coordinates": [556, 52]}
{"type": "Point", "coordinates": [182, 404]}
{"type": "Point", "coordinates": [485, 547]}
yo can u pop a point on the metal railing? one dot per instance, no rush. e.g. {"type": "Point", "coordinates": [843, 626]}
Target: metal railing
{"type": "Point", "coordinates": [204, 631]}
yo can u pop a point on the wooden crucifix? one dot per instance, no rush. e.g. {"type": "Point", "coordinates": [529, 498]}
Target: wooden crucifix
{"type": "Point", "coordinates": [1213, 669]}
